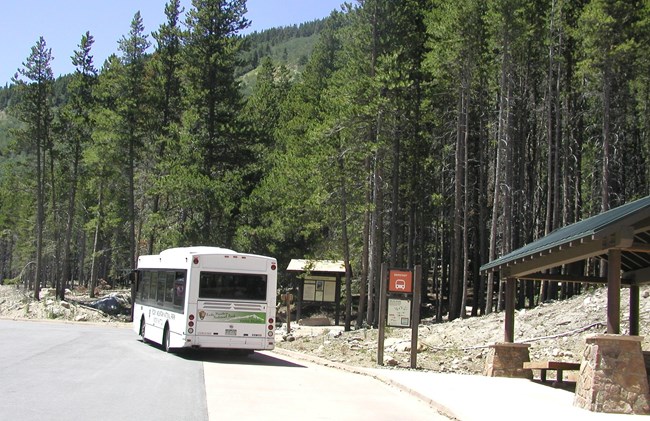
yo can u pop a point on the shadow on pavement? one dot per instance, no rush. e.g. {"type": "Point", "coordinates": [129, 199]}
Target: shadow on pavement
{"type": "Point", "coordinates": [236, 357]}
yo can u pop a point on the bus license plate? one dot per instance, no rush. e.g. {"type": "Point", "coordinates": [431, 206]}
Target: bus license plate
{"type": "Point", "coordinates": [231, 332]}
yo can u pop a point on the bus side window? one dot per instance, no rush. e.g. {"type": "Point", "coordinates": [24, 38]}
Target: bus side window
{"type": "Point", "coordinates": [169, 288]}
{"type": "Point", "coordinates": [145, 282]}
{"type": "Point", "coordinates": [179, 290]}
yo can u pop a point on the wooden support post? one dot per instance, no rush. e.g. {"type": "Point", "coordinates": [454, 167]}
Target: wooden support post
{"type": "Point", "coordinates": [301, 294]}
{"type": "Point", "coordinates": [415, 314]}
{"type": "Point", "coordinates": [383, 302]}
{"type": "Point", "coordinates": [337, 300]}
{"type": "Point", "coordinates": [634, 310]}
{"type": "Point", "coordinates": [511, 288]}
{"type": "Point", "coordinates": [288, 297]}
{"type": "Point", "coordinates": [614, 291]}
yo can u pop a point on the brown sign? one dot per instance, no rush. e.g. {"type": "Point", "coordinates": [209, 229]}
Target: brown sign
{"type": "Point", "coordinates": [400, 281]}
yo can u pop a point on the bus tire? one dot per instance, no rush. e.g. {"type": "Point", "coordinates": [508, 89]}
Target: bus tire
{"type": "Point", "coordinates": [166, 339]}
{"type": "Point", "coordinates": [143, 327]}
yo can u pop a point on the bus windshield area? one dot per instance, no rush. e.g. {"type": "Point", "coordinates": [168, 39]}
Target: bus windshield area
{"type": "Point", "coordinates": [232, 286]}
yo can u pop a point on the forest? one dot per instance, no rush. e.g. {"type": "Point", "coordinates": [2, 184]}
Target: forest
{"type": "Point", "coordinates": [441, 133]}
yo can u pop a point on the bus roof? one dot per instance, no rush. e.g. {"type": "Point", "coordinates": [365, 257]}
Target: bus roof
{"type": "Point", "coordinates": [196, 250]}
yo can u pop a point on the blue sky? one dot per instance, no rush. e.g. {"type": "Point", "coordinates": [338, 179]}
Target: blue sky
{"type": "Point", "coordinates": [63, 22]}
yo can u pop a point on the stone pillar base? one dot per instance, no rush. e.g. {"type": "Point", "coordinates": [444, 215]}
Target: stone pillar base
{"type": "Point", "coordinates": [613, 376]}
{"type": "Point", "coordinates": [506, 359]}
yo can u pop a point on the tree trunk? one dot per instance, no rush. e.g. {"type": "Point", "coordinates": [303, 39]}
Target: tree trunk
{"type": "Point", "coordinates": [496, 199]}
{"type": "Point", "coordinates": [94, 264]}
{"type": "Point", "coordinates": [40, 216]}
{"type": "Point", "coordinates": [131, 193]}
{"type": "Point", "coordinates": [365, 256]}
{"type": "Point", "coordinates": [376, 236]}
{"type": "Point", "coordinates": [456, 275]}
{"type": "Point", "coordinates": [466, 188]}
{"type": "Point", "coordinates": [395, 201]}
{"type": "Point", "coordinates": [65, 276]}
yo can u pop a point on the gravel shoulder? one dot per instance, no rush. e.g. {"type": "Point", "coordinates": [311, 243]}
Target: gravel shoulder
{"type": "Point", "coordinates": [555, 331]}
{"type": "Point", "coordinates": [19, 304]}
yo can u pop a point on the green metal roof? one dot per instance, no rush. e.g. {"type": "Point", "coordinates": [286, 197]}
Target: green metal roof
{"type": "Point", "coordinates": [587, 238]}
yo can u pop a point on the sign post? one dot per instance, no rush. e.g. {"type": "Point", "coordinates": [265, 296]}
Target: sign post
{"type": "Point", "coordinates": [288, 299]}
{"type": "Point", "coordinates": [415, 317]}
{"type": "Point", "coordinates": [399, 305]}
{"type": "Point", "coordinates": [382, 314]}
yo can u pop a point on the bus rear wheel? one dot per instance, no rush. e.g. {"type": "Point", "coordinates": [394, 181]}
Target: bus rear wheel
{"type": "Point", "coordinates": [166, 340]}
{"type": "Point", "coordinates": [143, 326]}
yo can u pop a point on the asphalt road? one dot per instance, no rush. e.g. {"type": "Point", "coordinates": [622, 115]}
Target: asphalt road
{"type": "Point", "coordinates": [56, 371]}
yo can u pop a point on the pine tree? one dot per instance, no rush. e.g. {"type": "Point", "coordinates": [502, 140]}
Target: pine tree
{"type": "Point", "coordinates": [34, 82]}
{"type": "Point", "coordinates": [106, 179]}
{"type": "Point", "coordinates": [165, 124]}
{"type": "Point", "coordinates": [213, 142]}
{"type": "Point", "coordinates": [133, 109]}
{"type": "Point", "coordinates": [76, 119]}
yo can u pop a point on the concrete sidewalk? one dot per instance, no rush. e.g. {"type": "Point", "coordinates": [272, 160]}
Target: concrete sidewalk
{"type": "Point", "coordinates": [479, 398]}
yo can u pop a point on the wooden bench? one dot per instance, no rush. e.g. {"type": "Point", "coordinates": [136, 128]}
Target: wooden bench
{"type": "Point", "coordinates": [558, 366]}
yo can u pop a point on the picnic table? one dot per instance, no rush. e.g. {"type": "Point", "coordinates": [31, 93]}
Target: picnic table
{"type": "Point", "coordinates": [558, 366]}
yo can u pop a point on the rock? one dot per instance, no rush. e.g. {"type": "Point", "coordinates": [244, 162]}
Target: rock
{"type": "Point", "coordinates": [81, 318]}
{"type": "Point", "coordinates": [65, 304]}
{"type": "Point", "coordinates": [334, 333]}
{"type": "Point", "coordinates": [113, 304]}
{"type": "Point", "coordinates": [389, 342]}
{"type": "Point", "coordinates": [403, 347]}
{"type": "Point", "coordinates": [390, 361]}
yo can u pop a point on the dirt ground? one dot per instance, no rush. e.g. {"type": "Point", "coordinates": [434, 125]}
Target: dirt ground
{"type": "Point", "coordinates": [17, 303]}
{"type": "Point", "coordinates": [555, 330]}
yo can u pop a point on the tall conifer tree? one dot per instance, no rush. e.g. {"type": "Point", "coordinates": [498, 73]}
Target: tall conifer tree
{"type": "Point", "coordinates": [34, 81]}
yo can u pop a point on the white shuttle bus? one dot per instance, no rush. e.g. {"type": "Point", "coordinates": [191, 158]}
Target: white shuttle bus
{"type": "Point", "coordinates": [206, 297]}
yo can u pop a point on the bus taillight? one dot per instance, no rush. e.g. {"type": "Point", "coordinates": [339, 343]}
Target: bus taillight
{"type": "Point", "coordinates": [191, 317]}
{"type": "Point", "coordinates": [271, 320]}
{"type": "Point", "coordinates": [196, 260]}
{"type": "Point", "coordinates": [273, 266]}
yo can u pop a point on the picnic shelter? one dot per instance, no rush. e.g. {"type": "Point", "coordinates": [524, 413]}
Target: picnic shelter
{"type": "Point", "coordinates": [621, 238]}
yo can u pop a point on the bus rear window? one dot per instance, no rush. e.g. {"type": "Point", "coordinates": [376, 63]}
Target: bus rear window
{"type": "Point", "coordinates": [232, 286]}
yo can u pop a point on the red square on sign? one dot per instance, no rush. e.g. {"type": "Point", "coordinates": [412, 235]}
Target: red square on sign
{"type": "Point", "coordinates": [400, 281]}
